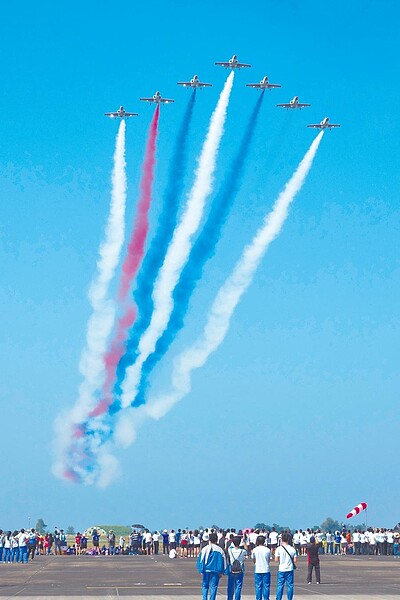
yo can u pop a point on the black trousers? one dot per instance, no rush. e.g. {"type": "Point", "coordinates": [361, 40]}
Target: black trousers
{"type": "Point", "coordinates": [317, 573]}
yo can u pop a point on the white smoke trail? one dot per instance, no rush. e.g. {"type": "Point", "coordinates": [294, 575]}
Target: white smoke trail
{"type": "Point", "coordinates": [180, 246]}
{"type": "Point", "coordinates": [101, 321]}
{"type": "Point", "coordinates": [230, 293]}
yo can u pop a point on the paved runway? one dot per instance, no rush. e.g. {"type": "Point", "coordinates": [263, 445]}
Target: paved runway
{"type": "Point", "coordinates": [343, 577]}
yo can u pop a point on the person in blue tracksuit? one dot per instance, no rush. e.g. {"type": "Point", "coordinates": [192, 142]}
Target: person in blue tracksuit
{"type": "Point", "coordinates": [211, 563]}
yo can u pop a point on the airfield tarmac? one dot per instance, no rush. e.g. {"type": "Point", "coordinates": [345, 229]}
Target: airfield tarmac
{"type": "Point", "coordinates": [57, 577]}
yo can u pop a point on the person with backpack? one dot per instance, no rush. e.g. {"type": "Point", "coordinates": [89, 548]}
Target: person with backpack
{"type": "Point", "coordinates": [211, 563]}
{"type": "Point", "coordinates": [236, 558]}
{"type": "Point", "coordinates": [286, 555]}
{"type": "Point", "coordinates": [261, 556]}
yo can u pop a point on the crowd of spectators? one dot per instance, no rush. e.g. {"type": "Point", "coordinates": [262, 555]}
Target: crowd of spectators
{"type": "Point", "coordinates": [20, 546]}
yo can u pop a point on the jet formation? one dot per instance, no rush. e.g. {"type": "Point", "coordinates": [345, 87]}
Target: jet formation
{"type": "Point", "coordinates": [233, 64]}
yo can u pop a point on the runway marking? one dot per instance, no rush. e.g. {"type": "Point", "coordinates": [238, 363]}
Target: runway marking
{"type": "Point", "coordinates": [132, 587]}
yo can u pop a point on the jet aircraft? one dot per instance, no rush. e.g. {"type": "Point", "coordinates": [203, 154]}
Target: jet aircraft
{"type": "Point", "coordinates": [233, 63]}
{"type": "Point", "coordinates": [323, 125]}
{"type": "Point", "coordinates": [121, 113]}
{"type": "Point", "coordinates": [194, 83]}
{"type": "Point", "coordinates": [264, 84]}
{"type": "Point", "coordinates": [157, 99]}
{"type": "Point", "coordinates": [294, 104]}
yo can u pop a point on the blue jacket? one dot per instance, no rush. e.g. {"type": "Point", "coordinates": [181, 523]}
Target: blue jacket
{"type": "Point", "coordinates": [212, 560]}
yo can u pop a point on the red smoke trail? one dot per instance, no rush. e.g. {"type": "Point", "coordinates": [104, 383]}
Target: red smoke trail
{"type": "Point", "coordinates": [138, 238]}
{"type": "Point", "coordinates": [130, 268]}
{"type": "Point", "coordinates": [111, 359]}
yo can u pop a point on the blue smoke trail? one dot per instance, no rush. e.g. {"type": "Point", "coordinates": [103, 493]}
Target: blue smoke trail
{"type": "Point", "coordinates": [156, 253]}
{"type": "Point", "coordinates": [203, 249]}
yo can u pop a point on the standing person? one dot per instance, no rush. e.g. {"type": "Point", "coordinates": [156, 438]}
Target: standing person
{"type": "Point", "coordinates": [57, 541]}
{"type": "Point", "coordinates": [147, 542]}
{"type": "Point", "coordinates": [96, 541]}
{"type": "Point", "coordinates": [32, 542]}
{"type": "Point", "coordinates": [7, 548]}
{"type": "Point", "coordinates": [286, 556]}
{"type": "Point", "coordinates": [84, 542]}
{"type": "Point", "coordinates": [2, 536]}
{"type": "Point", "coordinates": [78, 538]}
{"type": "Point", "coordinates": [261, 556]}
{"type": "Point", "coordinates": [329, 542]}
{"type": "Point", "coordinates": [156, 541]}
{"type": "Point", "coordinates": [22, 544]}
{"type": "Point", "coordinates": [196, 543]}
{"type": "Point", "coordinates": [313, 560]}
{"type": "Point", "coordinates": [337, 542]}
{"type": "Point", "coordinates": [51, 542]}
{"type": "Point", "coordinates": [236, 558]}
{"type": "Point", "coordinates": [396, 543]}
{"type": "Point", "coordinates": [184, 543]}
{"type": "Point", "coordinates": [296, 541]}
{"type": "Point", "coordinates": [165, 542]}
{"type": "Point", "coordinates": [211, 563]}
{"type": "Point", "coordinates": [273, 540]}
{"type": "Point", "coordinates": [14, 547]}
{"type": "Point", "coordinates": [172, 540]}
{"type": "Point", "coordinates": [111, 542]}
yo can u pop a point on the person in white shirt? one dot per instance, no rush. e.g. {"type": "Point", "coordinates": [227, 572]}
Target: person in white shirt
{"type": "Point", "coordinates": [363, 543]}
{"type": "Point", "coordinates": [390, 542]}
{"type": "Point", "coordinates": [253, 535]}
{"type": "Point", "coordinates": [156, 541]}
{"type": "Point", "coordinates": [355, 538]}
{"type": "Point", "coordinates": [172, 540]}
{"type": "Point", "coordinates": [148, 541]}
{"type": "Point", "coordinates": [261, 556]}
{"type": "Point", "coordinates": [196, 543]}
{"type": "Point", "coordinates": [286, 556]}
{"type": "Point", "coordinates": [296, 541]}
{"type": "Point", "coordinates": [303, 543]}
{"type": "Point", "coordinates": [7, 547]}
{"type": "Point", "coordinates": [329, 542]}
{"type": "Point", "coordinates": [22, 543]}
{"type": "Point", "coordinates": [273, 541]}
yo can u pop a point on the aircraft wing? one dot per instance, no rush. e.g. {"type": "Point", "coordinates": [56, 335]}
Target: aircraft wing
{"type": "Point", "coordinates": [201, 84]}
{"type": "Point", "coordinates": [111, 114]}
{"type": "Point", "coordinates": [242, 65]}
{"type": "Point", "coordinates": [131, 114]}
{"type": "Point", "coordinates": [166, 100]}
{"type": "Point", "coordinates": [254, 85]}
{"type": "Point", "coordinates": [273, 85]}
{"type": "Point", "coordinates": [185, 83]}
{"type": "Point", "coordinates": [333, 125]}
{"type": "Point", "coordinates": [223, 64]}
{"type": "Point", "coordinates": [297, 105]}
{"type": "Point", "coordinates": [147, 99]}
{"type": "Point", "coordinates": [315, 126]}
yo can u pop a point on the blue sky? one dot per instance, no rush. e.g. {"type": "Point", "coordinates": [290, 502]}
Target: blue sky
{"type": "Point", "coordinates": [304, 390]}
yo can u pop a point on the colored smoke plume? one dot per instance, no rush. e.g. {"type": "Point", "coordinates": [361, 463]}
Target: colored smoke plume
{"type": "Point", "coordinates": [179, 249]}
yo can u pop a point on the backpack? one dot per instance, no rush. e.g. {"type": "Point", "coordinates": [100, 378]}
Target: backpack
{"type": "Point", "coordinates": [236, 565]}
